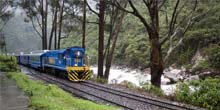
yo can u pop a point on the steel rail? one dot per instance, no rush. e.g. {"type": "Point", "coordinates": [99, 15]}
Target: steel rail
{"type": "Point", "coordinates": [66, 87]}
{"type": "Point", "coordinates": [136, 97]}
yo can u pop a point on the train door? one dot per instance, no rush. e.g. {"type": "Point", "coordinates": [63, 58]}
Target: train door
{"type": "Point", "coordinates": [68, 58]}
{"type": "Point", "coordinates": [61, 59]}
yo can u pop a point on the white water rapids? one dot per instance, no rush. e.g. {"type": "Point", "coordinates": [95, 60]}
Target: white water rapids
{"type": "Point", "coordinates": [136, 77]}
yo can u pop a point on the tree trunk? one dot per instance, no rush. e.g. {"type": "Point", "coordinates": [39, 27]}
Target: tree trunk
{"type": "Point", "coordinates": [55, 35]}
{"type": "Point", "coordinates": [156, 59]}
{"type": "Point", "coordinates": [101, 38]}
{"type": "Point", "coordinates": [118, 24]}
{"type": "Point", "coordinates": [42, 20]}
{"type": "Point", "coordinates": [44, 23]}
{"type": "Point", "coordinates": [60, 24]}
{"type": "Point", "coordinates": [52, 30]}
{"type": "Point", "coordinates": [84, 25]}
{"type": "Point", "coordinates": [45, 28]}
{"type": "Point", "coordinates": [55, 32]}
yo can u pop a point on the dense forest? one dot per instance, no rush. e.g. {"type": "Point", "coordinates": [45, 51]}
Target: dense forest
{"type": "Point", "coordinates": [136, 34]}
{"type": "Point", "coordinates": [149, 35]}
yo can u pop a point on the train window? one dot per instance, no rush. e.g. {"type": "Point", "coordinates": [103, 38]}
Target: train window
{"type": "Point", "coordinates": [77, 53]}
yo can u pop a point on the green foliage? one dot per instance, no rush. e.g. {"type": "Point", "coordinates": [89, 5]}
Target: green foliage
{"type": "Point", "coordinates": [202, 66]}
{"type": "Point", "coordinates": [204, 93]}
{"type": "Point", "coordinates": [51, 97]}
{"type": "Point", "coordinates": [100, 80]}
{"type": "Point", "coordinates": [182, 57]}
{"type": "Point", "coordinates": [182, 92]}
{"type": "Point", "coordinates": [202, 35]}
{"type": "Point", "coordinates": [152, 89]}
{"type": "Point", "coordinates": [213, 53]}
{"type": "Point", "coordinates": [137, 52]}
{"type": "Point", "coordinates": [8, 63]}
{"type": "Point", "coordinates": [212, 62]}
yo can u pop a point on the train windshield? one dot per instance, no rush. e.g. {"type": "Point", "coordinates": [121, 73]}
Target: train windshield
{"type": "Point", "coordinates": [86, 60]}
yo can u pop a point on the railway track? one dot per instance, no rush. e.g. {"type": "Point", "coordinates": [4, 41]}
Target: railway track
{"type": "Point", "coordinates": [144, 99]}
{"type": "Point", "coordinates": [123, 99]}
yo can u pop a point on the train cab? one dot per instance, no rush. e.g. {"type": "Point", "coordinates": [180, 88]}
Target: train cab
{"type": "Point", "coordinates": [71, 60]}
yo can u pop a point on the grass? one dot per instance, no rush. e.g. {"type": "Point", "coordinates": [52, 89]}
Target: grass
{"type": "Point", "coordinates": [152, 89]}
{"type": "Point", "coordinates": [99, 80]}
{"type": "Point", "coordinates": [51, 97]}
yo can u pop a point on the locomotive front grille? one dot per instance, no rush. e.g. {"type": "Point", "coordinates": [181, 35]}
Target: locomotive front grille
{"type": "Point", "coordinates": [78, 73]}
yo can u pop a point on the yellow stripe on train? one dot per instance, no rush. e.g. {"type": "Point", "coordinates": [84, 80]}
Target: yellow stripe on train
{"type": "Point", "coordinates": [75, 68]}
{"type": "Point", "coordinates": [75, 72]}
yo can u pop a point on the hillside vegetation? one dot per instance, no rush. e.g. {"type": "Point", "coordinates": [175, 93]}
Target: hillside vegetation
{"type": "Point", "coordinates": [133, 49]}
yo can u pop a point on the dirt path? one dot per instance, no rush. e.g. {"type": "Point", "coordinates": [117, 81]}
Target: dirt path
{"type": "Point", "coordinates": [11, 97]}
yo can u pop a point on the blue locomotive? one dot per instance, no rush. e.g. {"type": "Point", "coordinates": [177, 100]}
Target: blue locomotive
{"type": "Point", "coordinates": [71, 63]}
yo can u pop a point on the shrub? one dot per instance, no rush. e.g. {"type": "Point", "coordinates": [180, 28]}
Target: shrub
{"type": "Point", "coordinates": [99, 80]}
{"type": "Point", "coordinates": [8, 63]}
{"type": "Point", "coordinates": [152, 89]}
{"type": "Point", "coordinates": [213, 53]}
{"type": "Point", "coordinates": [204, 93]}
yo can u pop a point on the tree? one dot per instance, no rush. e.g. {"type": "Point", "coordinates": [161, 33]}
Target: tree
{"type": "Point", "coordinates": [5, 15]}
{"type": "Point", "coordinates": [36, 10]}
{"type": "Point", "coordinates": [84, 24]}
{"type": "Point", "coordinates": [44, 13]}
{"type": "Point", "coordinates": [53, 33]}
{"type": "Point", "coordinates": [153, 29]}
{"type": "Point", "coordinates": [60, 23]}
{"type": "Point", "coordinates": [116, 19]}
{"type": "Point", "coordinates": [101, 38]}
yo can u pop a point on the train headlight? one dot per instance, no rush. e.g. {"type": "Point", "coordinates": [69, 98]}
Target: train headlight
{"type": "Point", "coordinates": [75, 65]}
{"type": "Point", "coordinates": [78, 53]}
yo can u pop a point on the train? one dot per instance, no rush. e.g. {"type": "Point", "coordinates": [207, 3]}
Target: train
{"type": "Point", "coordinates": [71, 63]}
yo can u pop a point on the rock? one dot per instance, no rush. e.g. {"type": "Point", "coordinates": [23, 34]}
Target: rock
{"type": "Point", "coordinates": [195, 77]}
{"type": "Point", "coordinates": [206, 74]}
{"type": "Point", "coordinates": [197, 58]}
{"type": "Point", "coordinates": [172, 74]}
{"type": "Point", "coordinates": [164, 80]}
{"type": "Point", "coordinates": [146, 70]}
{"type": "Point", "coordinates": [128, 84]}
{"type": "Point", "coordinates": [176, 75]}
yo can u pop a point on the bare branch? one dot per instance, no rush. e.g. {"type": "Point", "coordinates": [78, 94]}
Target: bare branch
{"type": "Point", "coordinates": [36, 28]}
{"type": "Point", "coordinates": [118, 5]}
{"type": "Point", "coordinates": [171, 48]}
{"type": "Point", "coordinates": [137, 14]}
{"type": "Point", "coordinates": [163, 2]}
{"type": "Point", "coordinates": [96, 13]}
{"type": "Point", "coordinates": [66, 36]}
{"type": "Point", "coordinates": [146, 3]}
{"type": "Point", "coordinates": [38, 21]}
{"type": "Point", "coordinates": [174, 16]}
{"type": "Point", "coordinates": [173, 21]}
{"type": "Point", "coordinates": [92, 22]}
